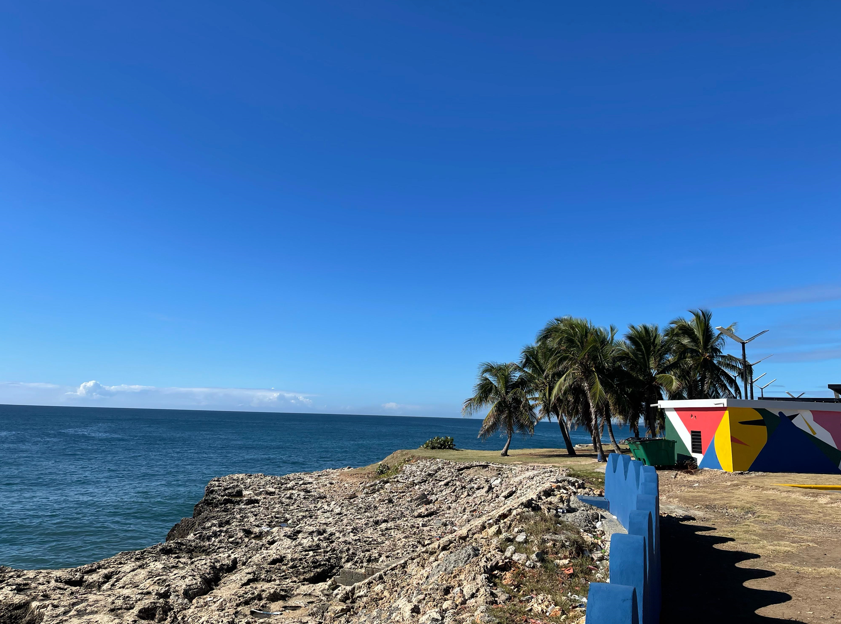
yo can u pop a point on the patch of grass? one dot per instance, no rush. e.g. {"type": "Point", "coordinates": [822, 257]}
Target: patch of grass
{"type": "Point", "coordinates": [583, 465]}
{"type": "Point", "coordinates": [384, 470]}
{"type": "Point", "coordinates": [565, 571]}
{"type": "Point", "coordinates": [818, 572]}
{"type": "Point", "coordinates": [592, 478]}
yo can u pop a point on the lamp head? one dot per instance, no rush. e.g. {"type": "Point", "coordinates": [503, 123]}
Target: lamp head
{"type": "Point", "coordinates": [727, 332]}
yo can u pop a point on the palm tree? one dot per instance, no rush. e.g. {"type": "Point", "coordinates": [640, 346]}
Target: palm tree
{"type": "Point", "coordinates": [501, 387]}
{"type": "Point", "coordinates": [646, 358]}
{"type": "Point", "coordinates": [540, 379]}
{"type": "Point", "coordinates": [581, 356]}
{"type": "Point", "coordinates": [702, 369]}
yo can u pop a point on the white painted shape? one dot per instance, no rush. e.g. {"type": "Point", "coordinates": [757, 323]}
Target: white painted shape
{"type": "Point", "coordinates": [806, 422]}
{"type": "Point", "coordinates": [682, 432]}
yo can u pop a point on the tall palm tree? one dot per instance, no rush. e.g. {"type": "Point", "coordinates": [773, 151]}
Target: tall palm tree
{"type": "Point", "coordinates": [614, 401]}
{"type": "Point", "coordinates": [501, 387]}
{"type": "Point", "coordinates": [540, 379]}
{"type": "Point", "coordinates": [645, 356]}
{"type": "Point", "coordinates": [582, 359]}
{"type": "Point", "coordinates": [701, 367]}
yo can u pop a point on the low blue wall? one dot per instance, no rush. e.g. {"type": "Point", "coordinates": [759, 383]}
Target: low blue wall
{"type": "Point", "coordinates": [632, 596]}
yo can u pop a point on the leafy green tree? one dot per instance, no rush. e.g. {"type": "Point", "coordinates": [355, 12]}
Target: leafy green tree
{"type": "Point", "coordinates": [501, 387]}
{"type": "Point", "coordinates": [582, 357]}
{"type": "Point", "coordinates": [701, 368]}
{"type": "Point", "coordinates": [540, 378]}
{"type": "Point", "coordinates": [645, 356]}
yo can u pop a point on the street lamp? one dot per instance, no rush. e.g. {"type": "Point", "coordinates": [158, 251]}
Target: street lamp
{"type": "Point", "coordinates": [751, 368]}
{"type": "Point", "coordinates": [795, 397]}
{"type": "Point", "coordinates": [760, 360]}
{"type": "Point", "coordinates": [762, 388]}
{"type": "Point", "coordinates": [728, 332]}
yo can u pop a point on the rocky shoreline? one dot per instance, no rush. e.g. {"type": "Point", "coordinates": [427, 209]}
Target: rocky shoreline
{"type": "Point", "coordinates": [437, 542]}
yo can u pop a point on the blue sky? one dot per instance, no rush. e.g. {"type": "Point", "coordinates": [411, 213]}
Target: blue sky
{"type": "Point", "coordinates": [354, 204]}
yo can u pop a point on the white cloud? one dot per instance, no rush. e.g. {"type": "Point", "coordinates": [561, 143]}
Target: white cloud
{"type": "Point", "coordinates": [810, 355]}
{"type": "Point", "coordinates": [94, 393]}
{"type": "Point", "coordinates": [399, 407]}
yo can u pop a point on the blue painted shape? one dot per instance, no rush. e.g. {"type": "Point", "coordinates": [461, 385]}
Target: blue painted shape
{"type": "Point", "coordinates": [613, 481]}
{"type": "Point", "coordinates": [628, 566]}
{"type": "Point", "coordinates": [633, 493]}
{"type": "Point", "coordinates": [641, 525]}
{"type": "Point", "coordinates": [789, 450]}
{"type": "Point", "coordinates": [710, 458]}
{"type": "Point", "coordinates": [635, 470]}
{"type": "Point", "coordinates": [651, 505]}
{"type": "Point", "coordinates": [612, 604]}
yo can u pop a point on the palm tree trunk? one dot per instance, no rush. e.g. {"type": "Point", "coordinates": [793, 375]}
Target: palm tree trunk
{"type": "Point", "coordinates": [565, 433]}
{"type": "Point", "coordinates": [597, 442]}
{"type": "Point", "coordinates": [610, 432]}
{"type": "Point", "coordinates": [507, 444]}
{"type": "Point", "coordinates": [649, 420]}
{"type": "Point", "coordinates": [594, 422]}
{"type": "Point", "coordinates": [634, 421]}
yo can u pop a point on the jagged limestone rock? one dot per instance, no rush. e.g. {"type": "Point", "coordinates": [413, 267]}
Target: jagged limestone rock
{"type": "Point", "coordinates": [418, 546]}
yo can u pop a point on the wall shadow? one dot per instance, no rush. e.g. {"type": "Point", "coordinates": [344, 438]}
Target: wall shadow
{"type": "Point", "coordinates": [702, 583]}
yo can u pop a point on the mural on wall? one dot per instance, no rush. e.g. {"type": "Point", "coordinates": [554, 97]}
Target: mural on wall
{"type": "Point", "coordinates": [743, 438]}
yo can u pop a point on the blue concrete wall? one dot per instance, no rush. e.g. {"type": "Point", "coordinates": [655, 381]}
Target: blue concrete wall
{"type": "Point", "coordinates": [633, 596]}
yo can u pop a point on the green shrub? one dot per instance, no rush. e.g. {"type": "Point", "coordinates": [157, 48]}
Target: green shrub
{"type": "Point", "coordinates": [383, 469]}
{"type": "Point", "coordinates": [439, 443]}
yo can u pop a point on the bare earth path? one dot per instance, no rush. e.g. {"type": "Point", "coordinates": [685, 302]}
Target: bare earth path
{"type": "Point", "coordinates": [740, 548]}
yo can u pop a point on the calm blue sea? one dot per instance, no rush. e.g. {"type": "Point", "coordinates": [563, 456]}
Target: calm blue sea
{"type": "Point", "coordinates": [81, 484]}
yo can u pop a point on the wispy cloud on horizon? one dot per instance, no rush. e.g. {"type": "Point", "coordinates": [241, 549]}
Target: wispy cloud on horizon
{"type": "Point", "coordinates": [93, 393]}
{"type": "Point", "coordinates": [811, 355]}
{"type": "Point", "coordinates": [814, 293]}
{"type": "Point", "coordinates": [400, 407]}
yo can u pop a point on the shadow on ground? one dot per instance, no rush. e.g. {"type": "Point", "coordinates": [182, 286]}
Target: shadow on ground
{"type": "Point", "coordinates": [702, 583]}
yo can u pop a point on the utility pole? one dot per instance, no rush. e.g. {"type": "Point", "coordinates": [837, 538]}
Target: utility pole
{"type": "Point", "coordinates": [753, 382]}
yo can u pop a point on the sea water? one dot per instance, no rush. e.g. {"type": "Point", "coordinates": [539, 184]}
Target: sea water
{"type": "Point", "coordinates": [82, 484]}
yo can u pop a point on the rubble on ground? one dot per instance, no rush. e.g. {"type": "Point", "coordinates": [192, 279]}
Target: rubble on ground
{"type": "Point", "coordinates": [437, 542]}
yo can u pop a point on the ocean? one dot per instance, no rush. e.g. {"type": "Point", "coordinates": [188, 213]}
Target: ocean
{"type": "Point", "coordinates": [81, 484]}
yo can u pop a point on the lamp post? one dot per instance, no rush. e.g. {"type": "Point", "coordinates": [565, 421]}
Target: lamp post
{"type": "Point", "coordinates": [729, 333]}
{"type": "Point", "coordinates": [761, 360]}
{"type": "Point", "coordinates": [754, 380]}
{"type": "Point", "coordinates": [751, 368]}
{"type": "Point", "coordinates": [795, 397]}
{"type": "Point", "coordinates": [762, 388]}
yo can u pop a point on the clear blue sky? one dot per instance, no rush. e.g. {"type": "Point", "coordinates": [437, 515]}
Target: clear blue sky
{"type": "Point", "coordinates": [356, 203]}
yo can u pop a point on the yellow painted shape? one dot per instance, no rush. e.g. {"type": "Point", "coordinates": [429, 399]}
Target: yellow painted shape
{"type": "Point", "coordinates": [753, 436]}
{"type": "Point", "coordinates": [811, 487]}
{"type": "Point", "coordinates": [722, 444]}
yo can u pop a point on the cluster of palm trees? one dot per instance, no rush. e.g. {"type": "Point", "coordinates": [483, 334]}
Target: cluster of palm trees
{"type": "Point", "coordinates": [587, 376]}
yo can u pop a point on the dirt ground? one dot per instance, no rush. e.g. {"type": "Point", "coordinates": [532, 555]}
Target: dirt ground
{"type": "Point", "coordinates": [740, 548]}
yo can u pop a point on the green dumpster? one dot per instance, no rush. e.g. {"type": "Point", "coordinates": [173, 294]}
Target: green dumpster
{"type": "Point", "coordinates": [654, 451]}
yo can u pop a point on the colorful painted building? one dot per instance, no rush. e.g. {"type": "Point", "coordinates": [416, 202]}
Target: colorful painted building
{"type": "Point", "coordinates": [766, 435]}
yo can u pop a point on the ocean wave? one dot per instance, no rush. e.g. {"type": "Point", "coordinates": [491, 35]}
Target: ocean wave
{"type": "Point", "coordinates": [93, 433]}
